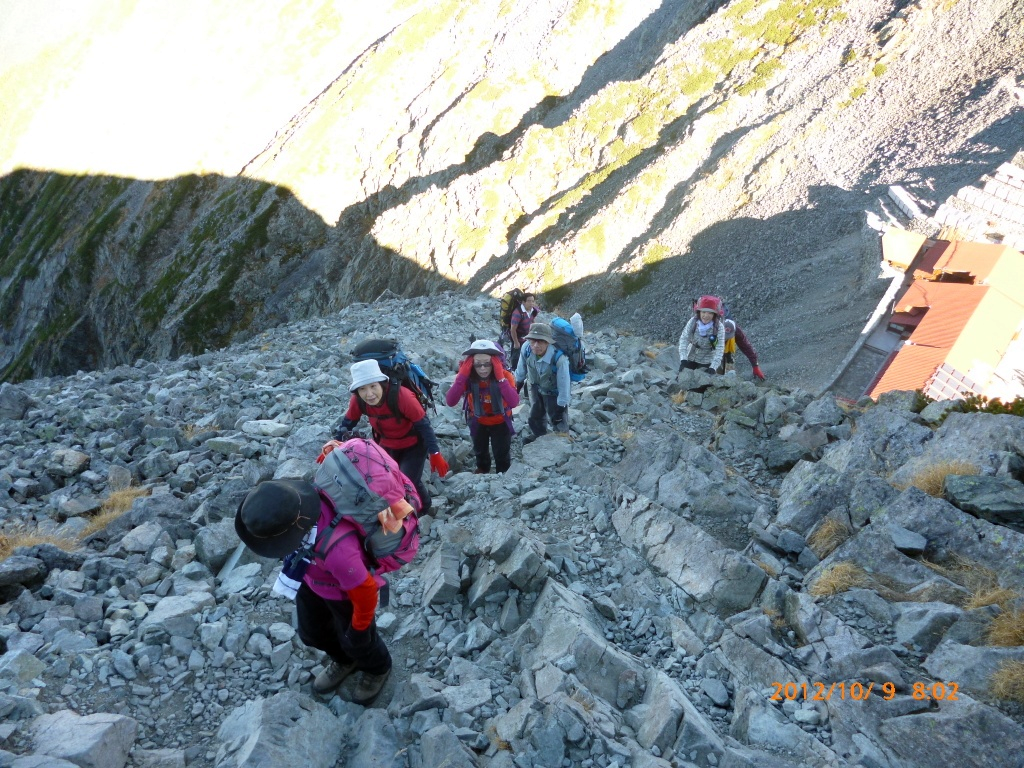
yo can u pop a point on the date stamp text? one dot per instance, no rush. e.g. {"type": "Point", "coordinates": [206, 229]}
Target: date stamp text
{"type": "Point", "coordinates": [859, 691]}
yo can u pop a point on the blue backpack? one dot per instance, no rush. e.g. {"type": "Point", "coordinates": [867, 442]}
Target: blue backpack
{"type": "Point", "coordinates": [570, 345]}
{"type": "Point", "coordinates": [400, 370]}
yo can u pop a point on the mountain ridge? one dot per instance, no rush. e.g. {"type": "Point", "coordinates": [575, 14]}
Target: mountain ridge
{"type": "Point", "coordinates": [592, 157]}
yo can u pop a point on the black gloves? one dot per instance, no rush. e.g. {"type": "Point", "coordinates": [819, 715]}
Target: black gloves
{"type": "Point", "coordinates": [681, 365]}
{"type": "Point", "coordinates": [711, 371]}
{"type": "Point", "coordinates": [359, 638]}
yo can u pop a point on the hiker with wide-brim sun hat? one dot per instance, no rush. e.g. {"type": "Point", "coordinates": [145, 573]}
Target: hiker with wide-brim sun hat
{"type": "Point", "coordinates": [336, 601]}
{"type": "Point", "coordinates": [488, 394]}
{"type": "Point", "coordinates": [404, 432]}
{"type": "Point", "coordinates": [702, 342]}
{"type": "Point", "coordinates": [546, 369]}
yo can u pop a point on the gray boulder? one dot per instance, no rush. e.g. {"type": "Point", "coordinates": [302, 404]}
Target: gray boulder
{"type": "Point", "coordinates": [923, 624]}
{"type": "Point", "coordinates": [288, 728]}
{"type": "Point", "coordinates": [14, 402]}
{"type": "Point", "coordinates": [689, 557]}
{"type": "Point", "coordinates": [996, 499]}
{"type": "Point", "coordinates": [90, 741]}
{"type": "Point", "coordinates": [963, 732]}
{"type": "Point", "coordinates": [970, 667]}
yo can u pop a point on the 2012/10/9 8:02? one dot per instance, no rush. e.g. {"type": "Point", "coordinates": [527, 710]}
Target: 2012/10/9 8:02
{"type": "Point", "coordinates": [862, 691]}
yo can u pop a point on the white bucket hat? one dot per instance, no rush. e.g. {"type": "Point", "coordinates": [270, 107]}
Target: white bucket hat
{"type": "Point", "coordinates": [365, 372]}
{"type": "Point", "coordinates": [483, 347]}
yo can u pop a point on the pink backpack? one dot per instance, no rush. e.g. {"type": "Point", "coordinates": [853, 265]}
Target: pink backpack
{"type": "Point", "coordinates": [359, 480]}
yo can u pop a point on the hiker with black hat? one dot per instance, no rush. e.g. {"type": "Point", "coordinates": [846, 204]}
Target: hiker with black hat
{"type": "Point", "coordinates": [337, 598]}
{"type": "Point", "coordinates": [546, 369]}
{"type": "Point", "coordinates": [488, 392]}
{"type": "Point", "coordinates": [406, 435]}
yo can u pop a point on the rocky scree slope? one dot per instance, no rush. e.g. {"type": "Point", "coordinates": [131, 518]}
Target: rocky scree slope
{"type": "Point", "coordinates": [617, 160]}
{"type": "Point", "coordinates": [632, 593]}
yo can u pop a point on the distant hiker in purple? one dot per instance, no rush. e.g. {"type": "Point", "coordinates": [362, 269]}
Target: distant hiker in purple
{"type": "Point", "coordinates": [735, 339]}
{"type": "Point", "coordinates": [522, 318]}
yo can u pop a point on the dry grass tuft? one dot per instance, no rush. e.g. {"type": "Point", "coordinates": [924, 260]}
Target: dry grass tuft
{"type": "Point", "coordinates": [1008, 682]}
{"type": "Point", "coordinates": [932, 479]}
{"type": "Point", "coordinates": [839, 578]}
{"type": "Point", "coordinates": [827, 538]}
{"type": "Point", "coordinates": [980, 581]}
{"type": "Point", "coordinates": [189, 431]}
{"type": "Point", "coordinates": [650, 354]}
{"type": "Point", "coordinates": [1007, 629]}
{"type": "Point", "coordinates": [584, 699]}
{"type": "Point", "coordinates": [21, 536]}
{"type": "Point", "coordinates": [498, 742]}
{"type": "Point", "coordinates": [679, 397]}
{"type": "Point", "coordinates": [778, 621]}
{"type": "Point", "coordinates": [992, 596]}
{"type": "Point", "coordinates": [115, 505]}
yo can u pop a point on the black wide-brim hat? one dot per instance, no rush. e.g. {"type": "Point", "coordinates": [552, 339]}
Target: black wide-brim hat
{"type": "Point", "coordinates": [275, 516]}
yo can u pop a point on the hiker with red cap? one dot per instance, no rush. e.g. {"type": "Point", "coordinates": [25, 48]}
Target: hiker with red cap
{"type": "Point", "coordinates": [488, 392]}
{"type": "Point", "coordinates": [406, 433]}
{"type": "Point", "coordinates": [339, 584]}
{"type": "Point", "coordinates": [702, 342]}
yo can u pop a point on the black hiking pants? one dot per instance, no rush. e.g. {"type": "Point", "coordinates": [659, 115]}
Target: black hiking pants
{"type": "Point", "coordinates": [325, 624]}
{"type": "Point", "coordinates": [543, 407]}
{"type": "Point", "coordinates": [410, 461]}
{"type": "Point", "coordinates": [499, 438]}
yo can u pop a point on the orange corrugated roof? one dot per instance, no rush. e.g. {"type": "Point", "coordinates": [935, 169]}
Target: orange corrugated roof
{"type": "Point", "coordinates": [909, 370]}
{"type": "Point", "coordinates": [978, 259]}
{"type": "Point", "coordinates": [967, 325]}
{"type": "Point", "coordinates": [951, 306]}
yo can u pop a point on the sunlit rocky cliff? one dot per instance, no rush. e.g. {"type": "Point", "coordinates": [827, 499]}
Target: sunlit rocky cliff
{"type": "Point", "coordinates": [178, 177]}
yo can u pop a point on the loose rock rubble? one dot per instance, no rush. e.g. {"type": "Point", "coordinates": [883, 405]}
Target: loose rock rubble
{"type": "Point", "coordinates": [634, 593]}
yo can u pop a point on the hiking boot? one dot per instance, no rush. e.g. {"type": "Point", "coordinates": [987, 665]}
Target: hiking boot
{"type": "Point", "coordinates": [368, 688]}
{"type": "Point", "coordinates": [334, 674]}
{"type": "Point", "coordinates": [479, 471]}
{"type": "Point", "coordinates": [527, 439]}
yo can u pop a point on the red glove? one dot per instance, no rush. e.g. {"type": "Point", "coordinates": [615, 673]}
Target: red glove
{"type": "Point", "coordinates": [467, 366]}
{"type": "Point", "coordinates": [499, 368]}
{"type": "Point", "coordinates": [364, 603]}
{"type": "Point", "coordinates": [438, 464]}
{"type": "Point", "coordinates": [329, 446]}
{"type": "Point", "coordinates": [758, 372]}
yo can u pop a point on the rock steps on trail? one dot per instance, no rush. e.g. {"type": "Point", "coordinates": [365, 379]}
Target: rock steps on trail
{"type": "Point", "coordinates": [629, 594]}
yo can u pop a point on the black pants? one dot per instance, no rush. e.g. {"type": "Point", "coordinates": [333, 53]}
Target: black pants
{"type": "Point", "coordinates": [543, 407]}
{"type": "Point", "coordinates": [513, 358]}
{"type": "Point", "coordinates": [324, 624]}
{"type": "Point", "coordinates": [691, 364]}
{"type": "Point", "coordinates": [499, 438]}
{"type": "Point", "coordinates": [410, 461]}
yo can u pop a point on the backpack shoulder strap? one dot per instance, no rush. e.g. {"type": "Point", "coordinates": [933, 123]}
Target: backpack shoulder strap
{"type": "Point", "coordinates": [326, 541]}
{"type": "Point", "coordinates": [394, 391]}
